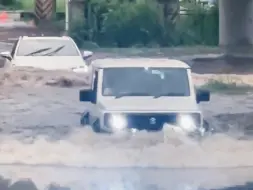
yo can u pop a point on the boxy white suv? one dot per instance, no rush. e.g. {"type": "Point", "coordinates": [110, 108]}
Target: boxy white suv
{"type": "Point", "coordinates": [142, 94]}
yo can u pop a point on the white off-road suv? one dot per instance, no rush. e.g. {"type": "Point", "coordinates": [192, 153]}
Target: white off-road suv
{"type": "Point", "coordinates": [142, 94]}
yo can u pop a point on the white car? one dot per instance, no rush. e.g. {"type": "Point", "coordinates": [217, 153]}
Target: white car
{"type": "Point", "coordinates": [142, 94]}
{"type": "Point", "coordinates": [47, 53]}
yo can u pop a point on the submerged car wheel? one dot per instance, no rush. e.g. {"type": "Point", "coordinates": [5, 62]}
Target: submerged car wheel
{"type": "Point", "coordinates": [209, 130]}
{"type": "Point", "coordinates": [96, 127]}
{"type": "Point", "coordinates": [206, 125]}
{"type": "Point", "coordinates": [85, 119]}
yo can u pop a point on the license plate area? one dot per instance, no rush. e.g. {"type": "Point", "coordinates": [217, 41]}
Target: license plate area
{"type": "Point", "coordinates": [147, 121]}
{"type": "Point", "coordinates": [150, 121]}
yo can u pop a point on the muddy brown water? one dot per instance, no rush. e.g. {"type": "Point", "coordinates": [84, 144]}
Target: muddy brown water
{"type": "Point", "coordinates": [41, 140]}
{"type": "Point", "coordinates": [41, 136]}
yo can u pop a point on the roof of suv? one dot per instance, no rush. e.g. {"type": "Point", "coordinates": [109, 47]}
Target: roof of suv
{"type": "Point", "coordinates": [139, 62]}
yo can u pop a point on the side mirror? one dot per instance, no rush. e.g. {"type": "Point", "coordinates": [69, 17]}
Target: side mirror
{"type": "Point", "coordinates": [203, 96]}
{"type": "Point", "coordinates": [6, 55]}
{"type": "Point", "coordinates": [86, 96]}
{"type": "Point", "coordinates": [87, 54]}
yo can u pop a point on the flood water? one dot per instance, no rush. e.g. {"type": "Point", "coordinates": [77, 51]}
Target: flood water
{"type": "Point", "coordinates": [41, 136]}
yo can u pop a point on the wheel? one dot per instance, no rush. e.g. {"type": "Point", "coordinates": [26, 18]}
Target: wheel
{"type": "Point", "coordinates": [206, 125]}
{"type": "Point", "coordinates": [203, 132]}
{"type": "Point", "coordinates": [209, 129]}
{"type": "Point", "coordinates": [96, 127]}
{"type": "Point", "coordinates": [85, 119]}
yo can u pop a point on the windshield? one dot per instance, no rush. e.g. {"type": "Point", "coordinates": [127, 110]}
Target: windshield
{"type": "Point", "coordinates": [145, 82]}
{"type": "Point", "coordinates": [46, 47]}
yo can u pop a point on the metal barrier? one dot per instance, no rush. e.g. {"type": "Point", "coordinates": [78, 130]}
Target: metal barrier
{"type": "Point", "coordinates": [45, 9]}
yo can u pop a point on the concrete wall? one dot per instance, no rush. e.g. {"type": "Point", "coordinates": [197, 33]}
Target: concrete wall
{"type": "Point", "coordinates": [236, 26]}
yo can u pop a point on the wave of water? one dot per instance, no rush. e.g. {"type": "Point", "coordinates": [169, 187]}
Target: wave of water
{"type": "Point", "coordinates": [83, 148]}
{"type": "Point", "coordinates": [26, 77]}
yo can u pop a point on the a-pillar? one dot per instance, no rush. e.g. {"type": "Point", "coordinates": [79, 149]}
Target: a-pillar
{"type": "Point", "coordinates": [236, 27]}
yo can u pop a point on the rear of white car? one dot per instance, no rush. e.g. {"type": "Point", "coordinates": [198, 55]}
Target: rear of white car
{"type": "Point", "coordinates": [47, 53]}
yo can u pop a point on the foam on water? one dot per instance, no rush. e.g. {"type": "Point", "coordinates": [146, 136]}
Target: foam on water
{"type": "Point", "coordinates": [83, 148]}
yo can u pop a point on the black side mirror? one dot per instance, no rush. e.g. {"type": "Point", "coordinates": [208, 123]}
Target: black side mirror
{"type": "Point", "coordinates": [87, 54]}
{"type": "Point", "coordinates": [86, 96]}
{"type": "Point", "coordinates": [203, 96]}
{"type": "Point", "coordinates": [6, 55]}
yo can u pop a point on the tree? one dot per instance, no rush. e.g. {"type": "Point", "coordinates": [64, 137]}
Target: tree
{"type": "Point", "coordinates": [7, 2]}
{"type": "Point", "coordinates": [171, 9]}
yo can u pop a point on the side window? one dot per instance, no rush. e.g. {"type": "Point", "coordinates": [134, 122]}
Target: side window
{"type": "Point", "coordinates": [14, 48]}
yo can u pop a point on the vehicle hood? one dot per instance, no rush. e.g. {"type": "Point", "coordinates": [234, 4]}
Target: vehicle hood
{"type": "Point", "coordinates": [162, 104]}
{"type": "Point", "coordinates": [49, 62]}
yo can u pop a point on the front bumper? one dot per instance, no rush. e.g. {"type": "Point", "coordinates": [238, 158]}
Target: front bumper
{"type": "Point", "coordinates": [151, 121]}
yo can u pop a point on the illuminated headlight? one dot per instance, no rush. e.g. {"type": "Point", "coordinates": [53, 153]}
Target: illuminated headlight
{"type": "Point", "coordinates": [187, 123]}
{"type": "Point", "coordinates": [118, 121]}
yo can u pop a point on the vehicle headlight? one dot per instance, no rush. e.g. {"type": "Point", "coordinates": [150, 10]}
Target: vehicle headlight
{"type": "Point", "coordinates": [117, 121]}
{"type": "Point", "coordinates": [187, 123]}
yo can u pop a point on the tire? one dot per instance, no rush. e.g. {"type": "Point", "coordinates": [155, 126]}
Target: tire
{"type": "Point", "coordinates": [206, 125]}
{"type": "Point", "coordinates": [200, 135]}
{"type": "Point", "coordinates": [85, 119]}
{"type": "Point", "coordinates": [209, 131]}
{"type": "Point", "coordinates": [96, 127]}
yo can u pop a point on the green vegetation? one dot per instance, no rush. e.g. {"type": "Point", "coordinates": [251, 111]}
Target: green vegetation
{"type": "Point", "coordinates": [137, 23]}
{"type": "Point", "coordinates": [227, 87]}
{"type": "Point", "coordinates": [142, 23]}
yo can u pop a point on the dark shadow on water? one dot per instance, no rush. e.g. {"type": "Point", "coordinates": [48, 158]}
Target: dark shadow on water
{"type": "Point", "coordinates": [246, 186]}
{"type": "Point", "coordinates": [222, 65]}
{"type": "Point", "coordinates": [27, 184]}
{"type": "Point", "coordinates": [131, 179]}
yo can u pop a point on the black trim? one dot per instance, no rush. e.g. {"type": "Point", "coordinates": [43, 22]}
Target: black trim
{"type": "Point", "coordinates": [141, 121]}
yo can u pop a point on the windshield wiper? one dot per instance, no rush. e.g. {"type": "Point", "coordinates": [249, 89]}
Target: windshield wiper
{"type": "Point", "coordinates": [54, 52]}
{"type": "Point", "coordinates": [132, 94]}
{"type": "Point", "coordinates": [168, 94]}
{"type": "Point", "coordinates": [38, 51]}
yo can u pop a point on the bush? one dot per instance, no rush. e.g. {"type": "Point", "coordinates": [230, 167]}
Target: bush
{"type": "Point", "coordinates": [7, 2]}
{"type": "Point", "coordinates": [118, 23]}
{"type": "Point", "coordinates": [135, 23]}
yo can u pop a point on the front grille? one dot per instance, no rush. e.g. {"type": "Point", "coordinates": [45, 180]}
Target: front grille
{"type": "Point", "coordinates": [151, 121]}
